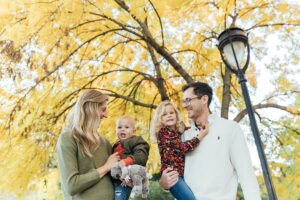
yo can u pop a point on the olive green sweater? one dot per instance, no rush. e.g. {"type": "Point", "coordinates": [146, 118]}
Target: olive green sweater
{"type": "Point", "coordinates": [79, 177]}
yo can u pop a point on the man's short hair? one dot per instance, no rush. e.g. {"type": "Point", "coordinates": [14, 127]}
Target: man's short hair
{"type": "Point", "coordinates": [200, 89]}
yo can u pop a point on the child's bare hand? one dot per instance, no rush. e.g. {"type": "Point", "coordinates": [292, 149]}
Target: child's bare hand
{"type": "Point", "coordinates": [123, 182]}
{"type": "Point", "coordinates": [203, 132]}
{"type": "Point", "coordinates": [181, 127]}
{"type": "Point", "coordinates": [126, 182]}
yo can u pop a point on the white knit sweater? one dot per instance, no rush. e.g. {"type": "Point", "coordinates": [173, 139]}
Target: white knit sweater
{"type": "Point", "coordinates": [212, 170]}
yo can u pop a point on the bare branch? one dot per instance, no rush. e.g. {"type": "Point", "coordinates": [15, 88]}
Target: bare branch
{"type": "Point", "coordinates": [242, 114]}
{"type": "Point", "coordinates": [291, 128]}
{"type": "Point", "coordinates": [84, 23]}
{"type": "Point", "coordinates": [135, 102]}
{"type": "Point", "coordinates": [159, 49]}
{"type": "Point", "coordinates": [271, 24]}
{"type": "Point", "coordinates": [161, 26]}
{"type": "Point", "coordinates": [281, 94]}
{"type": "Point", "coordinates": [159, 79]}
{"type": "Point", "coordinates": [128, 28]}
{"type": "Point", "coordinates": [250, 9]}
{"type": "Point", "coordinates": [225, 16]}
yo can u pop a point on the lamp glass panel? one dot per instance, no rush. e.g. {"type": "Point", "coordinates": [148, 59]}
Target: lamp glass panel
{"type": "Point", "coordinates": [239, 49]}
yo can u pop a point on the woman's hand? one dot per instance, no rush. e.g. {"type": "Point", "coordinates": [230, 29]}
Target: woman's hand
{"type": "Point", "coordinates": [203, 132]}
{"type": "Point", "coordinates": [112, 159]}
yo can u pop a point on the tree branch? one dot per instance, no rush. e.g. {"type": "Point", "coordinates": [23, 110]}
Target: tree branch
{"type": "Point", "coordinates": [271, 24]}
{"type": "Point", "coordinates": [135, 102]}
{"type": "Point", "coordinates": [159, 79]}
{"type": "Point", "coordinates": [159, 49]}
{"type": "Point", "coordinates": [242, 114]}
{"type": "Point", "coordinates": [160, 23]}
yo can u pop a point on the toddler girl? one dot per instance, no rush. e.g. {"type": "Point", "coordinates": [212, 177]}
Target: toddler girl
{"type": "Point", "coordinates": [166, 127]}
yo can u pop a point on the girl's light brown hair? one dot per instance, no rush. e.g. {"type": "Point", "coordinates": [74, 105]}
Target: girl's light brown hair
{"type": "Point", "coordinates": [156, 124]}
{"type": "Point", "coordinates": [84, 120]}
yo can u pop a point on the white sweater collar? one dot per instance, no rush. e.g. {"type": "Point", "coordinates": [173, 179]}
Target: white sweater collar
{"type": "Point", "coordinates": [211, 119]}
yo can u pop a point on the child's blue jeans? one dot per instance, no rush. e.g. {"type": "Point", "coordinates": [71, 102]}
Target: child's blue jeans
{"type": "Point", "coordinates": [122, 192]}
{"type": "Point", "coordinates": [181, 191]}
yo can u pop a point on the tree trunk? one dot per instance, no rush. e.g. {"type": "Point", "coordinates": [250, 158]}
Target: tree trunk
{"type": "Point", "coordinates": [226, 94]}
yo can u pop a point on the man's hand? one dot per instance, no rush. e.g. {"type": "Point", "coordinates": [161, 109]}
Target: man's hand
{"type": "Point", "coordinates": [168, 178]}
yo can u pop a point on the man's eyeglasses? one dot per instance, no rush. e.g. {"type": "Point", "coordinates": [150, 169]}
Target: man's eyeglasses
{"type": "Point", "coordinates": [187, 101]}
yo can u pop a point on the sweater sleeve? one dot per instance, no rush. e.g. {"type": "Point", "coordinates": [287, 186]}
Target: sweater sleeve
{"type": "Point", "coordinates": [67, 161]}
{"type": "Point", "coordinates": [168, 140]}
{"type": "Point", "coordinates": [240, 158]}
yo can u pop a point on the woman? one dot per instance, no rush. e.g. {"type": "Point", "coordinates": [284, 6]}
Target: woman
{"type": "Point", "coordinates": [84, 156]}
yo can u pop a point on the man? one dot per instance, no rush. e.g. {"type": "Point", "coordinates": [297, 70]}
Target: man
{"type": "Point", "coordinates": [213, 169]}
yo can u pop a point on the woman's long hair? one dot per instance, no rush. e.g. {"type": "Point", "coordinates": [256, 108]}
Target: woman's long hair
{"type": "Point", "coordinates": [84, 120]}
{"type": "Point", "coordinates": [156, 124]}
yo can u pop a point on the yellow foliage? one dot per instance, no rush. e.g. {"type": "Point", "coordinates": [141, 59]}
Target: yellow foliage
{"type": "Point", "coordinates": [24, 166]}
{"type": "Point", "coordinates": [251, 76]}
{"type": "Point", "coordinates": [137, 8]}
{"type": "Point", "coordinates": [73, 45]}
{"type": "Point", "coordinates": [283, 7]}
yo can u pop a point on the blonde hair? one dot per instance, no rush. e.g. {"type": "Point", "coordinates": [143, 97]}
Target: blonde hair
{"type": "Point", "coordinates": [84, 120]}
{"type": "Point", "coordinates": [131, 120]}
{"type": "Point", "coordinates": [156, 123]}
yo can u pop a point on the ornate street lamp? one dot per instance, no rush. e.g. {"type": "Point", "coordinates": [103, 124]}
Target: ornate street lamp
{"type": "Point", "coordinates": [235, 53]}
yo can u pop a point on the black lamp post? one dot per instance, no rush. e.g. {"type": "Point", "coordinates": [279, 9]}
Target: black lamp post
{"type": "Point", "coordinates": [233, 44]}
